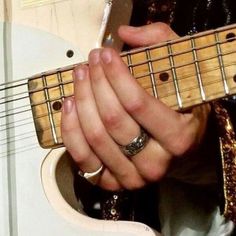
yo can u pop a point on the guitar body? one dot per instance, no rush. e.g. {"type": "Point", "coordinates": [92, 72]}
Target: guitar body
{"type": "Point", "coordinates": [37, 36]}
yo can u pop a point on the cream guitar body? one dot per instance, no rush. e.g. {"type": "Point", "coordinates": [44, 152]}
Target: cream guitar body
{"type": "Point", "coordinates": [36, 36]}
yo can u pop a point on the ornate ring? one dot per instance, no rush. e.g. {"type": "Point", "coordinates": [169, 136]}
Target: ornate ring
{"type": "Point", "coordinates": [137, 144]}
{"type": "Point", "coordinates": [92, 177]}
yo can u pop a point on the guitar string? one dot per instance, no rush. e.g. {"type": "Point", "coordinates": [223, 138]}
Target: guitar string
{"type": "Point", "coordinates": [164, 84]}
{"type": "Point", "coordinates": [48, 128]}
{"type": "Point", "coordinates": [21, 149]}
{"type": "Point", "coordinates": [135, 51]}
{"type": "Point", "coordinates": [137, 77]}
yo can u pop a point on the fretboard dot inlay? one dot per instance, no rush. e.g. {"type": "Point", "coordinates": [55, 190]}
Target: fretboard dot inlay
{"type": "Point", "coordinates": [230, 37]}
{"type": "Point", "coordinates": [164, 76]}
{"type": "Point", "coordinates": [57, 106]}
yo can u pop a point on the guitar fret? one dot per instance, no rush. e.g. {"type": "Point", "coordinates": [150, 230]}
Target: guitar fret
{"type": "Point", "coordinates": [172, 65]}
{"type": "Point", "coordinates": [52, 125]}
{"type": "Point", "coordinates": [130, 64]}
{"type": "Point", "coordinates": [154, 89]}
{"type": "Point", "coordinates": [196, 64]}
{"type": "Point", "coordinates": [220, 59]}
{"type": "Point", "coordinates": [61, 87]}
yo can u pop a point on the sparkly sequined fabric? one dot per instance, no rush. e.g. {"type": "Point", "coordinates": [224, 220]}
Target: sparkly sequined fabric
{"type": "Point", "coordinates": [197, 16]}
{"type": "Point", "coordinates": [228, 154]}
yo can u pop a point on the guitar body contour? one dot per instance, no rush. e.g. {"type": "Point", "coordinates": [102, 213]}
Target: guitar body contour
{"type": "Point", "coordinates": [37, 36]}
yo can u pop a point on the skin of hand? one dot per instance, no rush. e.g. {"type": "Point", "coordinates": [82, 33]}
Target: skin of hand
{"type": "Point", "coordinates": [108, 108]}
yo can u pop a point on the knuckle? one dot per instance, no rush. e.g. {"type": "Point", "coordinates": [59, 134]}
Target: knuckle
{"type": "Point", "coordinates": [152, 173]}
{"type": "Point", "coordinates": [133, 185]}
{"type": "Point", "coordinates": [80, 155]}
{"type": "Point", "coordinates": [112, 119]}
{"type": "Point", "coordinates": [135, 106]}
{"type": "Point", "coordinates": [109, 185]}
{"type": "Point", "coordinates": [132, 182]}
{"type": "Point", "coordinates": [163, 27]}
{"type": "Point", "coordinates": [95, 136]}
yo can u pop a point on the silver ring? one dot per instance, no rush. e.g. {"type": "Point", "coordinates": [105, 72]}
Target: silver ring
{"type": "Point", "coordinates": [92, 177]}
{"type": "Point", "coordinates": [136, 145]}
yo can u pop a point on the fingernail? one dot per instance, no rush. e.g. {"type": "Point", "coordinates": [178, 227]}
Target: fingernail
{"type": "Point", "coordinates": [79, 73]}
{"type": "Point", "coordinates": [106, 56]}
{"type": "Point", "coordinates": [67, 105]}
{"type": "Point", "coordinates": [94, 57]}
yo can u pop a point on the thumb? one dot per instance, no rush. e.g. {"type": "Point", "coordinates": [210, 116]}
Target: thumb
{"type": "Point", "coordinates": [146, 35]}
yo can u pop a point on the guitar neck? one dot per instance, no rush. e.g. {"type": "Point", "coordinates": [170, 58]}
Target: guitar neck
{"type": "Point", "coordinates": [181, 73]}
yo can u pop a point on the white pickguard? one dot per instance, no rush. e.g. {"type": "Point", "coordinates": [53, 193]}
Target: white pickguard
{"type": "Point", "coordinates": [34, 39]}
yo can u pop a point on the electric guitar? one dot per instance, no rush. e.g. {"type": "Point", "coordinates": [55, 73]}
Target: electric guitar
{"type": "Point", "coordinates": [182, 73]}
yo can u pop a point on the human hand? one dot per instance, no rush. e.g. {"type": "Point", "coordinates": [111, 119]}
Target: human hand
{"type": "Point", "coordinates": [109, 107]}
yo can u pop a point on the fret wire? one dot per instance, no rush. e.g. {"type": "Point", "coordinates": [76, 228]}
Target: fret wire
{"type": "Point", "coordinates": [166, 95]}
{"type": "Point", "coordinates": [185, 64]}
{"type": "Point", "coordinates": [153, 60]}
{"type": "Point", "coordinates": [130, 65]}
{"type": "Point", "coordinates": [204, 71]}
{"type": "Point", "coordinates": [179, 100]}
{"type": "Point", "coordinates": [50, 86]}
{"type": "Point", "coordinates": [154, 88]}
{"type": "Point", "coordinates": [220, 59]}
{"type": "Point", "coordinates": [174, 104]}
{"type": "Point", "coordinates": [196, 63]}
{"type": "Point", "coordinates": [61, 87]}
{"type": "Point", "coordinates": [52, 125]}
{"type": "Point", "coordinates": [173, 54]}
{"type": "Point", "coordinates": [179, 40]}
